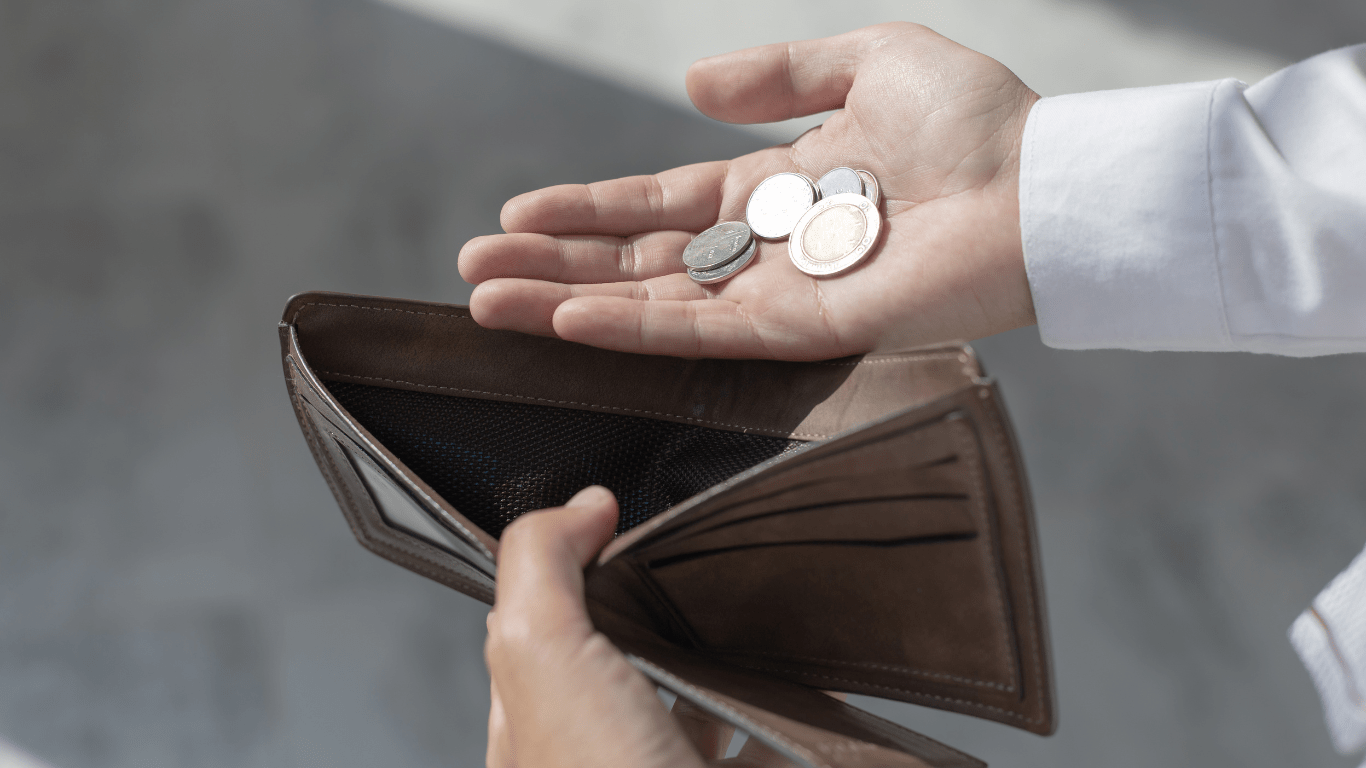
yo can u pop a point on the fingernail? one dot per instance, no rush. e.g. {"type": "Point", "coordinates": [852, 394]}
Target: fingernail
{"type": "Point", "coordinates": [592, 496]}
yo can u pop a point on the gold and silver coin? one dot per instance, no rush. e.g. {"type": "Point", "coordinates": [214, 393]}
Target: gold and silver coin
{"type": "Point", "coordinates": [708, 276]}
{"type": "Point", "coordinates": [834, 234]}
{"type": "Point", "coordinates": [717, 246]}
{"type": "Point", "coordinates": [871, 189]}
{"type": "Point", "coordinates": [777, 203]}
{"type": "Point", "coordinates": [839, 181]}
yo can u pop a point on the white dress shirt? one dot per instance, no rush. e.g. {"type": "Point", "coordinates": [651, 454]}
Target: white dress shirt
{"type": "Point", "coordinates": [1215, 216]}
{"type": "Point", "coordinates": [1207, 216]}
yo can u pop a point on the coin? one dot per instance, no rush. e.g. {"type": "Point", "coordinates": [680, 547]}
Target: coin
{"type": "Point", "coordinates": [835, 234]}
{"type": "Point", "coordinates": [840, 181]}
{"type": "Point", "coordinates": [871, 189]}
{"type": "Point", "coordinates": [717, 245]}
{"type": "Point", "coordinates": [776, 204]}
{"type": "Point", "coordinates": [707, 276]}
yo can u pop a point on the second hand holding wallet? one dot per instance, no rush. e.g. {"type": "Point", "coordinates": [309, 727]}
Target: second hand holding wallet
{"type": "Point", "coordinates": [858, 525]}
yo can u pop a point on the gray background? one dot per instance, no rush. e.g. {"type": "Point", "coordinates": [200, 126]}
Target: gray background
{"type": "Point", "coordinates": [176, 584]}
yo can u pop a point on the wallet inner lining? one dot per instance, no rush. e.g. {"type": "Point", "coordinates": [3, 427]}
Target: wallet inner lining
{"type": "Point", "coordinates": [494, 460]}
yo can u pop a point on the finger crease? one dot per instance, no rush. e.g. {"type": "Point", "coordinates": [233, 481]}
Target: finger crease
{"type": "Point", "coordinates": [789, 83]}
{"type": "Point", "coordinates": [654, 196]}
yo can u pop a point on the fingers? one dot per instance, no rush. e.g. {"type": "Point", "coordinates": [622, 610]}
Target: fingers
{"type": "Point", "coordinates": [687, 198]}
{"type": "Point", "coordinates": [539, 592]}
{"type": "Point", "coordinates": [709, 736]}
{"type": "Point", "coordinates": [573, 258]}
{"type": "Point", "coordinates": [702, 328]}
{"type": "Point", "coordinates": [529, 306]}
{"type": "Point", "coordinates": [568, 696]}
{"type": "Point", "coordinates": [785, 80]}
{"type": "Point", "coordinates": [539, 610]}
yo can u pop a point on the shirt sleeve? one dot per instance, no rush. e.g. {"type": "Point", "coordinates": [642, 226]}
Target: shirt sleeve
{"type": "Point", "coordinates": [1205, 216]}
{"type": "Point", "coordinates": [1330, 637]}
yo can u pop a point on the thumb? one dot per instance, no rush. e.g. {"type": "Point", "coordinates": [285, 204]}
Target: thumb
{"type": "Point", "coordinates": [540, 563]}
{"type": "Point", "coordinates": [592, 524]}
{"type": "Point", "coordinates": [784, 80]}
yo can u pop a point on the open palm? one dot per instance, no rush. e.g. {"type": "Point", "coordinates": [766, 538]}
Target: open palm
{"type": "Point", "coordinates": [938, 124]}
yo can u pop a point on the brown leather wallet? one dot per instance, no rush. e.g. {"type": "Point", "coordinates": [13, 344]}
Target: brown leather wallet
{"type": "Point", "coordinates": [858, 525]}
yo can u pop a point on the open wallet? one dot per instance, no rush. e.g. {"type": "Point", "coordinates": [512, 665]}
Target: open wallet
{"type": "Point", "coordinates": [858, 525]}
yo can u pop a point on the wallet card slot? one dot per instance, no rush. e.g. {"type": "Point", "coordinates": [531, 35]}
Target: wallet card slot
{"type": "Point", "coordinates": [372, 529]}
{"type": "Point", "coordinates": [833, 604]}
{"type": "Point", "coordinates": [934, 538]}
{"type": "Point", "coordinates": [401, 512]}
{"type": "Point", "coordinates": [872, 521]}
{"type": "Point", "coordinates": [923, 461]}
{"type": "Point", "coordinates": [872, 560]}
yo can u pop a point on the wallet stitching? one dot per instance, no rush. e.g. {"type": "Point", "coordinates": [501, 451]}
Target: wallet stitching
{"type": "Point", "coordinates": [361, 455]}
{"type": "Point", "coordinates": [315, 446]}
{"type": "Point", "coordinates": [361, 533]}
{"type": "Point", "coordinates": [965, 702]}
{"type": "Point", "coordinates": [964, 449]}
{"type": "Point", "coordinates": [907, 357]}
{"type": "Point", "coordinates": [470, 537]}
{"type": "Point", "coordinates": [294, 317]}
{"type": "Point", "coordinates": [405, 549]}
{"type": "Point", "coordinates": [998, 433]}
{"type": "Point", "coordinates": [873, 665]}
{"type": "Point", "coordinates": [575, 402]}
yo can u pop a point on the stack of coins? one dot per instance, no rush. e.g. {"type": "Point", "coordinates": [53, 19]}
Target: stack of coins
{"type": "Point", "coordinates": [720, 252]}
{"type": "Point", "coordinates": [830, 225]}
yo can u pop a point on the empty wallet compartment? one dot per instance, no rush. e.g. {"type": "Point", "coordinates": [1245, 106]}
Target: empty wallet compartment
{"type": "Point", "coordinates": [858, 525]}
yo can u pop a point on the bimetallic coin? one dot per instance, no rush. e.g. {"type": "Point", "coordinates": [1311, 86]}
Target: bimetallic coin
{"type": "Point", "coordinates": [835, 234]}
{"type": "Point", "coordinates": [776, 204]}
{"type": "Point", "coordinates": [840, 181]}
{"type": "Point", "coordinates": [871, 189]}
{"type": "Point", "coordinates": [718, 245]}
{"type": "Point", "coordinates": [708, 276]}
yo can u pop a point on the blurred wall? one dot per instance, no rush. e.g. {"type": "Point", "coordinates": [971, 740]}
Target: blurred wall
{"type": "Point", "coordinates": [176, 585]}
{"type": "Point", "coordinates": [1055, 46]}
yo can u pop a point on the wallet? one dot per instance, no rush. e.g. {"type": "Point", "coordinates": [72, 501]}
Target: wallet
{"type": "Point", "coordinates": [859, 525]}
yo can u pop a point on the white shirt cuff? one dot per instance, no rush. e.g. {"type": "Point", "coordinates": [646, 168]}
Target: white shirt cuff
{"type": "Point", "coordinates": [1330, 638]}
{"type": "Point", "coordinates": [1116, 222]}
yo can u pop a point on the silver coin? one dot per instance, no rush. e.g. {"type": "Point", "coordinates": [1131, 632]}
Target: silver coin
{"type": "Point", "coordinates": [776, 204]}
{"type": "Point", "coordinates": [708, 276]}
{"type": "Point", "coordinates": [840, 181]}
{"type": "Point", "coordinates": [717, 245]}
{"type": "Point", "coordinates": [835, 234]}
{"type": "Point", "coordinates": [871, 189]}
{"type": "Point", "coordinates": [813, 184]}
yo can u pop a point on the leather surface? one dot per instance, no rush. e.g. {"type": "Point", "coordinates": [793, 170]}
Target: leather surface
{"type": "Point", "coordinates": [389, 342]}
{"type": "Point", "coordinates": [893, 555]}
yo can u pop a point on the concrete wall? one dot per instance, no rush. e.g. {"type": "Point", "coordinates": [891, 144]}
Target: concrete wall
{"type": "Point", "coordinates": [176, 585]}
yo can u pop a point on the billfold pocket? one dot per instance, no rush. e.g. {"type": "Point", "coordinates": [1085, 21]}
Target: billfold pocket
{"type": "Point", "coordinates": [857, 525]}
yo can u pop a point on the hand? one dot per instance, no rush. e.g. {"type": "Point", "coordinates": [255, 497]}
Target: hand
{"type": "Point", "coordinates": [563, 695]}
{"type": "Point", "coordinates": [938, 124]}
